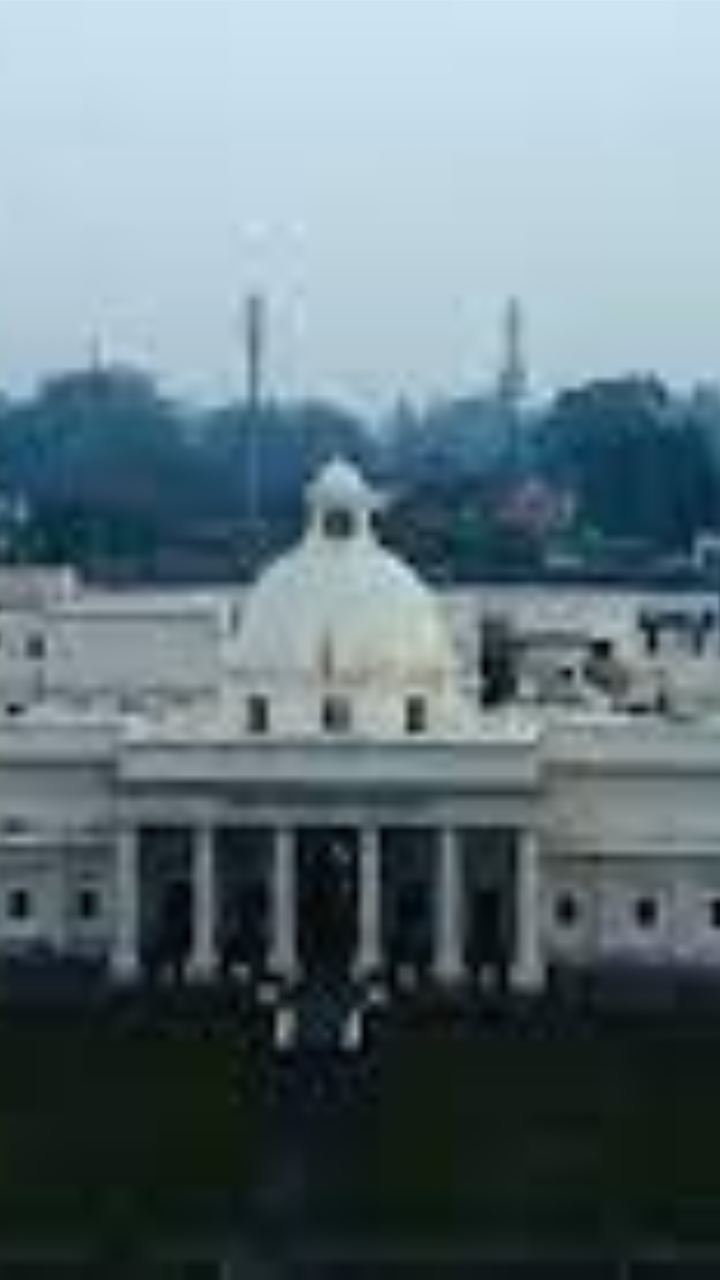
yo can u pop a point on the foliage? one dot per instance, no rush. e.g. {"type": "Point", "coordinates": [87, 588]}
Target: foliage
{"type": "Point", "coordinates": [639, 462]}
{"type": "Point", "coordinates": [109, 473]}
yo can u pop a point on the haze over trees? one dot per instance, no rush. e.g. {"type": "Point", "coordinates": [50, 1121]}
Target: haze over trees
{"type": "Point", "coordinates": [99, 468]}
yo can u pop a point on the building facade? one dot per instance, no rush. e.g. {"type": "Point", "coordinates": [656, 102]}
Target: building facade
{"type": "Point", "coordinates": [301, 785]}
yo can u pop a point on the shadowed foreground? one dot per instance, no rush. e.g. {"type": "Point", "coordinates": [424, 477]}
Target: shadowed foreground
{"type": "Point", "coordinates": [131, 1122]}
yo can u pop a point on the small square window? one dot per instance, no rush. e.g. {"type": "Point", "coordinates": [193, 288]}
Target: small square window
{"type": "Point", "coordinates": [567, 910]}
{"type": "Point", "coordinates": [336, 716]}
{"type": "Point", "coordinates": [19, 904]}
{"type": "Point", "coordinates": [715, 913]}
{"type": "Point", "coordinates": [258, 714]}
{"type": "Point", "coordinates": [647, 912]}
{"type": "Point", "coordinates": [338, 524]}
{"type": "Point", "coordinates": [415, 715]}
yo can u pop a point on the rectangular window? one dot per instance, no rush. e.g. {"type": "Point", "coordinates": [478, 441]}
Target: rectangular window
{"type": "Point", "coordinates": [567, 910]}
{"type": "Point", "coordinates": [19, 905]}
{"type": "Point", "coordinates": [35, 646]}
{"type": "Point", "coordinates": [87, 904]}
{"type": "Point", "coordinates": [336, 715]}
{"type": "Point", "coordinates": [258, 714]}
{"type": "Point", "coordinates": [647, 912]}
{"type": "Point", "coordinates": [415, 715]}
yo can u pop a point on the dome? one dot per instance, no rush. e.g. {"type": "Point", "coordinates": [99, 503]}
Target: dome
{"type": "Point", "coordinates": [340, 613]}
{"type": "Point", "coordinates": [341, 487]}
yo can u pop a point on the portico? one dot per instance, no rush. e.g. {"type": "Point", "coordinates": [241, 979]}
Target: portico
{"type": "Point", "coordinates": [344, 762]}
{"type": "Point", "coordinates": [365, 855]}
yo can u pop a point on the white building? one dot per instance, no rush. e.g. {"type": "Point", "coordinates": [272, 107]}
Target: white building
{"type": "Point", "coordinates": [304, 783]}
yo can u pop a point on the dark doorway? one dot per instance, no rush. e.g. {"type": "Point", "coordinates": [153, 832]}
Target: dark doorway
{"type": "Point", "coordinates": [411, 931]}
{"type": "Point", "coordinates": [487, 933]}
{"type": "Point", "coordinates": [169, 944]}
{"type": "Point", "coordinates": [327, 904]}
{"type": "Point", "coordinates": [246, 927]}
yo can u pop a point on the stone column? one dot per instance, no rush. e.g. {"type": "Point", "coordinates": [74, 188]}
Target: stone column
{"type": "Point", "coordinates": [369, 951]}
{"type": "Point", "coordinates": [125, 954]}
{"type": "Point", "coordinates": [283, 945]}
{"type": "Point", "coordinates": [449, 924]}
{"type": "Point", "coordinates": [203, 951]}
{"type": "Point", "coordinates": [528, 969]}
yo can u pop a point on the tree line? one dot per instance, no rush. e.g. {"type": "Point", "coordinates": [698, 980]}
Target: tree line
{"type": "Point", "coordinates": [99, 468]}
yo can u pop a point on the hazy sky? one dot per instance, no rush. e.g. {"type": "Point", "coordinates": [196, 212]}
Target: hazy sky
{"type": "Point", "coordinates": [388, 170]}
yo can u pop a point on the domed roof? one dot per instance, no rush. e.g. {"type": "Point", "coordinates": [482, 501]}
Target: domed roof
{"type": "Point", "coordinates": [340, 486]}
{"type": "Point", "coordinates": [340, 611]}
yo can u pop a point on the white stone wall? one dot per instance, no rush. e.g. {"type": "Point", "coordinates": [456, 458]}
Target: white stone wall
{"type": "Point", "coordinates": [57, 808]}
{"type": "Point", "coordinates": [48, 798]}
{"type": "Point", "coordinates": [130, 649]}
{"type": "Point", "coordinates": [38, 876]}
{"type": "Point", "coordinates": [68, 906]}
{"type": "Point", "coordinates": [630, 814]}
{"type": "Point", "coordinates": [608, 894]}
{"type": "Point", "coordinates": [23, 646]}
{"type": "Point", "coordinates": [28, 600]}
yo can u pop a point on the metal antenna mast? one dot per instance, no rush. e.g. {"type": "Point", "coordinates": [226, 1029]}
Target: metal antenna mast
{"type": "Point", "coordinates": [513, 376]}
{"type": "Point", "coordinates": [254, 337]}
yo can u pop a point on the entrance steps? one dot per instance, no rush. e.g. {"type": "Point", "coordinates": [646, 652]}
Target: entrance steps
{"type": "Point", "coordinates": [324, 1017]}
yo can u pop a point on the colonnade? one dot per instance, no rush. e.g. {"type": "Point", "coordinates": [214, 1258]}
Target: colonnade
{"type": "Point", "coordinates": [283, 954]}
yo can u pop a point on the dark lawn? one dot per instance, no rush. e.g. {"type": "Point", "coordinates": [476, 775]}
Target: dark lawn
{"type": "Point", "coordinates": [129, 1120]}
{"type": "Point", "coordinates": [121, 1119]}
{"type": "Point", "coordinates": [602, 1129]}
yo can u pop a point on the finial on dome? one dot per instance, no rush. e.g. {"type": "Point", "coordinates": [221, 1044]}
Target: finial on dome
{"type": "Point", "coordinates": [341, 502]}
